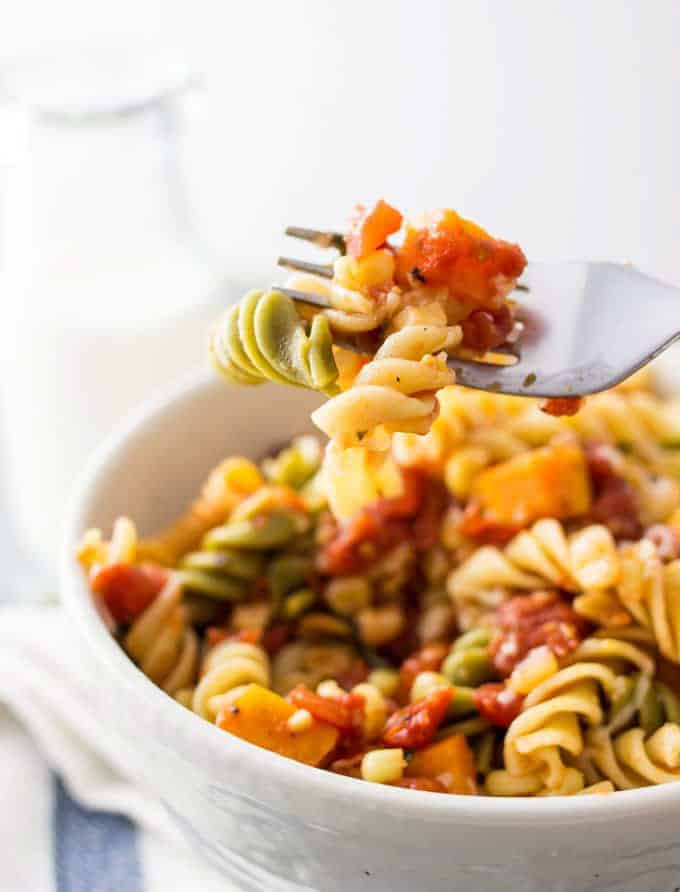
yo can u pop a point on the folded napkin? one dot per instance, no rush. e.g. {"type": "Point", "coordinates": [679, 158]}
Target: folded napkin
{"type": "Point", "coordinates": [70, 818]}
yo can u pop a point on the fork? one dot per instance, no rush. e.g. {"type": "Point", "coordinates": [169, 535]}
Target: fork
{"type": "Point", "coordinates": [585, 325]}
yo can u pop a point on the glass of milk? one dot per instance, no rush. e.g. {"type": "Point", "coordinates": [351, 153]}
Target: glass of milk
{"type": "Point", "coordinates": [107, 292]}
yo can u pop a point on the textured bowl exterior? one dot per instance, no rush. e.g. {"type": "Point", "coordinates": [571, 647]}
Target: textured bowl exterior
{"type": "Point", "coordinates": [271, 824]}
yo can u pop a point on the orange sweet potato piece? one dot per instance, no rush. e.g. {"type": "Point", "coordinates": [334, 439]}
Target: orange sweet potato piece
{"type": "Point", "coordinates": [548, 482]}
{"type": "Point", "coordinates": [260, 716]}
{"type": "Point", "coordinates": [449, 761]}
{"type": "Point", "coordinates": [370, 228]}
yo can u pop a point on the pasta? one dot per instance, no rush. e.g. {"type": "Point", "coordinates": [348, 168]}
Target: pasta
{"type": "Point", "coordinates": [586, 560]}
{"type": "Point", "coordinates": [163, 643]}
{"type": "Point", "coordinates": [380, 348]}
{"type": "Point", "coordinates": [500, 619]}
{"type": "Point", "coordinates": [228, 666]}
{"type": "Point", "coordinates": [547, 732]}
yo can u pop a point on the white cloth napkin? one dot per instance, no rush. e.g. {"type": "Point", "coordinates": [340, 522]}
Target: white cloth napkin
{"type": "Point", "coordinates": [70, 819]}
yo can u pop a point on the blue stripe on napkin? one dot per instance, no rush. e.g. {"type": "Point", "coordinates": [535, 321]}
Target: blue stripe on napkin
{"type": "Point", "coordinates": [93, 851]}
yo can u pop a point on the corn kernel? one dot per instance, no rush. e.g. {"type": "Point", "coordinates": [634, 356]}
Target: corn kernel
{"type": "Point", "coordinates": [375, 709]}
{"type": "Point", "coordinates": [383, 766]}
{"type": "Point", "coordinates": [426, 682]}
{"type": "Point", "coordinates": [301, 720]}
{"type": "Point", "coordinates": [329, 689]}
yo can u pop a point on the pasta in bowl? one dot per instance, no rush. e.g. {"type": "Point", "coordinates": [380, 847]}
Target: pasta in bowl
{"type": "Point", "coordinates": [267, 821]}
{"type": "Point", "coordinates": [505, 625]}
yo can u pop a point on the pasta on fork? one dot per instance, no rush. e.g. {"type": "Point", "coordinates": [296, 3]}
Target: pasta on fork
{"type": "Point", "coordinates": [394, 314]}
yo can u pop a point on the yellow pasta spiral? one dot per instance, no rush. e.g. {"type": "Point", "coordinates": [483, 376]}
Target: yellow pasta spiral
{"type": "Point", "coordinates": [544, 555]}
{"type": "Point", "coordinates": [633, 759]}
{"type": "Point", "coordinates": [229, 665]}
{"type": "Point", "coordinates": [647, 592]}
{"type": "Point", "coordinates": [543, 742]}
{"type": "Point", "coordinates": [163, 643]}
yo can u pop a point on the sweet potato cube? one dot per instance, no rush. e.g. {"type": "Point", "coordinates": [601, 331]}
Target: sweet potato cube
{"type": "Point", "coordinates": [261, 717]}
{"type": "Point", "coordinates": [548, 482]}
{"type": "Point", "coordinates": [371, 227]}
{"type": "Point", "coordinates": [449, 761]}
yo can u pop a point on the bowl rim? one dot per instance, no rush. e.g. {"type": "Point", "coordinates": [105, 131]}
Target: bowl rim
{"type": "Point", "coordinates": [413, 804]}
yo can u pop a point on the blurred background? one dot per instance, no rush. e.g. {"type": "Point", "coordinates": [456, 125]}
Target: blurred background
{"type": "Point", "coordinates": [152, 152]}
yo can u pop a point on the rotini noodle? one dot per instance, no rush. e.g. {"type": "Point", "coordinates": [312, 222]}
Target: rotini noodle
{"type": "Point", "coordinates": [162, 642]}
{"type": "Point", "coordinates": [228, 666]}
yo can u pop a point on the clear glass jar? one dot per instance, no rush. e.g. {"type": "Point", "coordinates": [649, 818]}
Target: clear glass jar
{"type": "Point", "coordinates": [107, 290]}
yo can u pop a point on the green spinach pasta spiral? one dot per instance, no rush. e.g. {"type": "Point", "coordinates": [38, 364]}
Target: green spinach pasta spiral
{"type": "Point", "coordinates": [263, 338]}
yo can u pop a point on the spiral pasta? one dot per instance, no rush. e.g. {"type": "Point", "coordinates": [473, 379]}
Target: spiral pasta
{"type": "Point", "coordinates": [634, 759]}
{"type": "Point", "coordinates": [228, 666]}
{"type": "Point", "coordinates": [263, 338]}
{"type": "Point", "coordinates": [163, 643]}
{"type": "Point", "coordinates": [650, 591]}
{"type": "Point", "coordinates": [402, 319]}
{"type": "Point", "coordinates": [443, 624]}
{"type": "Point", "coordinates": [542, 555]}
{"type": "Point", "coordinates": [547, 734]}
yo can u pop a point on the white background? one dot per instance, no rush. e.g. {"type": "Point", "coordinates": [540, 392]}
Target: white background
{"type": "Point", "coordinates": [553, 123]}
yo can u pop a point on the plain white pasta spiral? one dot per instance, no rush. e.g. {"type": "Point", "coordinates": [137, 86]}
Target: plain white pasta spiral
{"type": "Point", "coordinates": [544, 555]}
{"type": "Point", "coordinates": [162, 641]}
{"type": "Point", "coordinates": [395, 390]}
{"type": "Point", "coordinates": [229, 665]}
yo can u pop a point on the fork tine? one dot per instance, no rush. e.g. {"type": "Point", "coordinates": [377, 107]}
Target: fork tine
{"type": "Point", "coordinates": [319, 237]}
{"type": "Point", "coordinates": [304, 297]}
{"type": "Point", "coordinates": [317, 269]}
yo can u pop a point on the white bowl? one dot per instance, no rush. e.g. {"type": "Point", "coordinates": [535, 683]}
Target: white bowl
{"type": "Point", "coordinates": [269, 823]}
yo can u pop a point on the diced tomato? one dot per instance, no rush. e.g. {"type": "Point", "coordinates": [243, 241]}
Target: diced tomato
{"type": "Point", "coordinates": [474, 524]}
{"type": "Point", "coordinates": [615, 503]}
{"type": "Point", "coordinates": [564, 405]}
{"type": "Point", "coordinates": [498, 704]}
{"type": "Point", "coordinates": [429, 659]}
{"type": "Point", "coordinates": [128, 589]}
{"type": "Point", "coordinates": [529, 621]}
{"type": "Point", "coordinates": [345, 713]}
{"type": "Point", "coordinates": [427, 784]}
{"type": "Point", "coordinates": [428, 521]}
{"type": "Point", "coordinates": [484, 330]}
{"type": "Point", "coordinates": [414, 726]}
{"type": "Point", "coordinates": [275, 637]}
{"type": "Point", "coordinates": [456, 253]}
{"type": "Point", "coordinates": [349, 766]}
{"type": "Point", "coordinates": [370, 228]}
{"type": "Point", "coordinates": [413, 516]}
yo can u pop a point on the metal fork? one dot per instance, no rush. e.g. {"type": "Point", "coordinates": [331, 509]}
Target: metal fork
{"type": "Point", "coordinates": [586, 326]}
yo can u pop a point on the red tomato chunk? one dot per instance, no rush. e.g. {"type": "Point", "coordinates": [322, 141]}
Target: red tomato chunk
{"type": "Point", "coordinates": [345, 713]}
{"type": "Point", "coordinates": [414, 516]}
{"type": "Point", "coordinates": [529, 621]}
{"type": "Point", "coordinates": [414, 726]}
{"type": "Point", "coordinates": [498, 704]}
{"type": "Point", "coordinates": [127, 589]}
